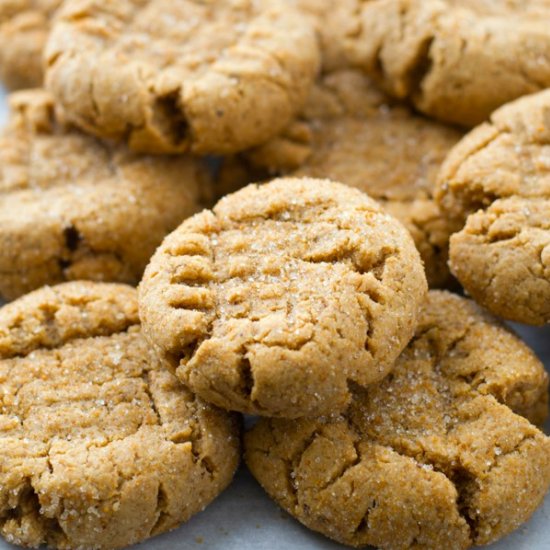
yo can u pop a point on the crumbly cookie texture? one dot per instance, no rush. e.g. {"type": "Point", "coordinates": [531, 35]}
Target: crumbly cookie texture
{"type": "Point", "coordinates": [351, 132]}
{"type": "Point", "coordinates": [101, 445]}
{"type": "Point", "coordinates": [335, 23]}
{"type": "Point", "coordinates": [497, 182]}
{"type": "Point", "coordinates": [435, 456]}
{"type": "Point", "coordinates": [277, 299]}
{"type": "Point", "coordinates": [455, 60]}
{"type": "Point", "coordinates": [165, 76]}
{"type": "Point", "coordinates": [73, 207]}
{"type": "Point", "coordinates": [24, 28]}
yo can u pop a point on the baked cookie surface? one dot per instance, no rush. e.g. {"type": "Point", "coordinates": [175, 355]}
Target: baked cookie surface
{"type": "Point", "coordinates": [352, 133]}
{"type": "Point", "coordinates": [284, 293]}
{"type": "Point", "coordinates": [335, 23]}
{"type": "Point", "coordinates": [437, 455]}
{"type": "Point", "coordinates": [24, 29]}
{"type": "Point", "coordinates": [455, 60]}
{"type": "Point", "coordinates": [165, 76]}
{"type": "Point", "coordinates": [101, 445]}
{"type": "Point", "coordinates": [73, 207]}
{"type": "Point", "coordinates": [497, 182]}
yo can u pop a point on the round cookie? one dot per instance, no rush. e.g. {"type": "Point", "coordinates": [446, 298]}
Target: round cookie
{"type": "Point", "coordinates": [73, 207]}
{"type": "Point", "coordinates": [455, 60]}
{"type": "Point", "coordinates": [101, 445]}
{"type": "Point", "coordinates": [284, 294]}
{"type": "Point", "coordinates": [351, 132]}
{"type": "Point", "coordinates": [497, 182]}
{"type": "Point", "coordinates": [165, 76]}
{"type": "Point", "coordinates": [24, 28]}
{"type": "Point", "coordinates": [435, 456]}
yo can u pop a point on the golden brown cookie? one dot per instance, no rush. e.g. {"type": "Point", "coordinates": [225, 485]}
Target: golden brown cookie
{"type": "Point", "coordinates": [350, 132]}
{"type": "Point", "coordinates": [73, 207]}
{"type": "Point", "coordinates": [281, 296]}
{"type": "Point", "coordinates": [24, 28]}
{"type": "Point", "coordinates": [497, 181]}
{"type": "Point", "coordinates": [335, 23]}
{"type": "Point", "coordinates": [455, 60]}
{"type": "Point", "coordinates": [165, 76]}
{"type": "Point", "coordinates": [101, 445]}
{"type": "Point", "coordinates": [437, 455]}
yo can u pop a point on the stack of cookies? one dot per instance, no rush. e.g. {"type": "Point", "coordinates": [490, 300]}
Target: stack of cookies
{"type": "Point", "coordinates": [211, 208]}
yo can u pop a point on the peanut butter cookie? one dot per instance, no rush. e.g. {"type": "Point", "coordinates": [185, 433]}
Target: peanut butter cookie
{"type": "Point", "coordinates": [73, 207]}
{"type": "Point", "coordinates": [101, 445]}
{"type": "Point", "coordinates": [350, 132]}
{"type": "Point", "coordinates": [24, 28]}
{"type": "Point", "coordinates": [455, 60]}
{"type": "Point", "coordinates": [211, 77]}
{"type": "Point", "coordinates": [437, 455]}
{"type": "Point", "coordinates": [335, 22]}
{"type": "Point", "coordinates": [277, 299]}
{"type": "Point", "coordinates": [497, 181]}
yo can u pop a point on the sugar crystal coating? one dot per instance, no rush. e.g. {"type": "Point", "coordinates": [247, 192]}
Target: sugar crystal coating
{"type": "Point", "coordinates": [440, 454]}
{"type": "Point", "coordinates": [455, 60]}
{"type": "Point", "coordinates": [352, 133]}
{"type": "Point", "coordinates": [496, 183]}
{"type": "Point", "coordinates": [73, 207]}
{"type": "Point", "coordinates": [165, 76]}
{"type": "Point", "coordinates": [276, 299]}
{"type": "Point", "coordinates": [94, 429]}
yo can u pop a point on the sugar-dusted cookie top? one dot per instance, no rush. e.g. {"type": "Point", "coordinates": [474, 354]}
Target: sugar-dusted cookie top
{"type": "Point", "coordinates": [73, 207]}
{"type": "Point", "coordinates": [212, 77]}
{"type": "Point", "coordinates": [351, 132]}
{"type": "Point", "coordinates": [455, 60]}
{"type": "Point", "coordinates": [437, 455]}
{"type": "Point", "coordinates": [276, 299]}
{"type": "Point", "coordinates": [497, 182]}
{"type": "Point", "coordinates": [101, 445]}
{"type": "Point", "coordinates": [24, 29]}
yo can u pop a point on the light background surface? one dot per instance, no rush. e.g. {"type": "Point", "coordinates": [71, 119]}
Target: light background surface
{"type": "Point", "coordinates": [244, 518]}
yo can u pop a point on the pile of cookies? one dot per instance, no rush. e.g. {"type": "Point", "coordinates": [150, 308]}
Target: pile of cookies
{"type": "Point", "coordinates": [400, 154]}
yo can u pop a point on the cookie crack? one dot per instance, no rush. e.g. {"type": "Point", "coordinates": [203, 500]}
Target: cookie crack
{"type": "Point", "coordinates": [516, 450]}
{"type": "Point", "coordinates": [297, 346]}
{"type": "Point", "coordinates": [72, 237]}
{"type": "Point", "coordinates": [197, 438]}
{"type": "Point", "coordinates": [463, 480]}
{"type": "Point", "coordinates": [162, 510]}
{"type": "Point", "coordinates": [363, 527]}
{"type": "Point", "coordinates": [369, 318]}
{"type": "Point", "coordinates": [460, 478]}
{"type": "Point", "coordinates": [246, 375]}
{"type": "Point", "coordinates": [421, 69]}
{"type": "Point", "coordinates": [91, 93]}
{"type": "Point", "coordinates": [28, 513]}
{"type": "Point", "coordinates": [146, 378]}
{"type": "Point", "coordinates": [291, 464]}
{"type": "Point", "coordinates": [169, 117]}
{"type": "Point", "coordinates": [346, 467]}
{"type": "Point", "coordinates": [466, 483]}
{"type": "Point", "coordinates": [474, 379]}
